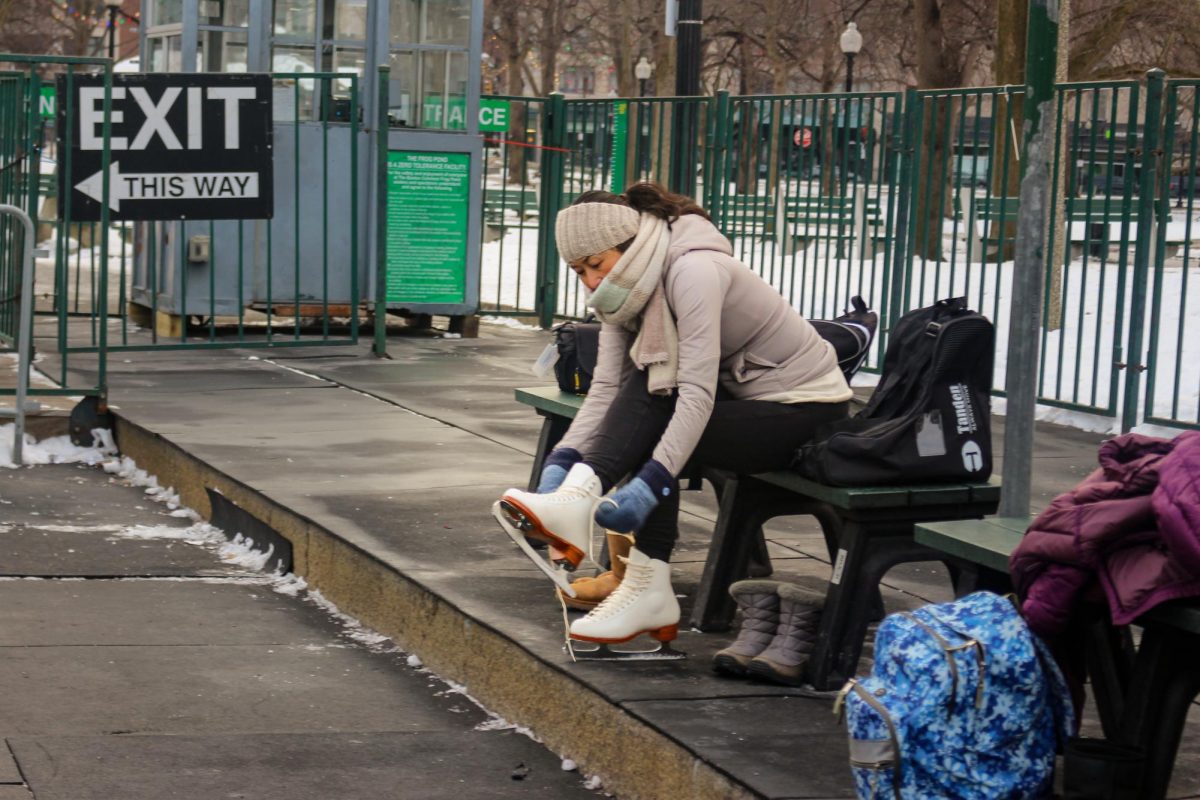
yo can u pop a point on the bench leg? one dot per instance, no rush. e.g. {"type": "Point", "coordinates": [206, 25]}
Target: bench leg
{"type": "Point", "coordinates": [760, 560]}
{"type": "Point", "coordinates": [728, 555]}
{"type": "Point", "coordinates": [553, 429]}
{"type": "Point", "coordinates": [1166, 680]}
{"type": "Point", "coordinates": [866, 553]}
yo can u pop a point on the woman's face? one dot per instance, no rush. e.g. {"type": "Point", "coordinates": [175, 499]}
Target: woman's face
{"type": "Point", "coordinates": [591, 270]}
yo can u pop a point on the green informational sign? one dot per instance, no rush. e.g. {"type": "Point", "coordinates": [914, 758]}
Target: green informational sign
{"type": "Point", "coordinates": [493, 114]}
{"type": "Point", "coordinates": [46, 102]}
{"type": "Point", "coordinates": [619, 146]}
{"type": "Point", "coordinates": [427, 199]}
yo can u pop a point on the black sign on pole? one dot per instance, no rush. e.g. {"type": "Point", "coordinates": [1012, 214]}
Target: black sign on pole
{"type": "Point", "coordinates": [194, 146]}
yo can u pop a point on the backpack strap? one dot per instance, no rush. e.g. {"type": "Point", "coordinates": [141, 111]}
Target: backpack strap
{"type": "Point", "coordinates": [874, 703]}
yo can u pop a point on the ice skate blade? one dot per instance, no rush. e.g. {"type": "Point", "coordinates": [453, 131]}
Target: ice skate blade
{"type": "Point", "coordinates": [587, 651]}
{"type": "Point", "coordinates": [531, 527]}
{"type": "Point", "coordinates": [560, 577]}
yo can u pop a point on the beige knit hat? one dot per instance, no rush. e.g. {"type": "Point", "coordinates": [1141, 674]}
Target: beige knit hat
{"type": "Point", "coordinates": [589, 228]}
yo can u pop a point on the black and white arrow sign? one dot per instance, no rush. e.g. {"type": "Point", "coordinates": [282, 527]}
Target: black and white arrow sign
{"type": "Point", "coordinates": [169, 186]}
{"type": "Point", "coordinates": [181, 146]}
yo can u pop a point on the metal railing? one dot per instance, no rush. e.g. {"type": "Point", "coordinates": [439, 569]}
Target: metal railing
{"type": "Point", "coordinates": [906, 199]}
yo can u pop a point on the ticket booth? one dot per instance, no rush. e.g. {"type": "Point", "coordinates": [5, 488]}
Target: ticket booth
{"type": "Point", "coordinates": [320, 246]}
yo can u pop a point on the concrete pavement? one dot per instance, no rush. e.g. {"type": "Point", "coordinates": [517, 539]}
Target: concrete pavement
{"type": "Point", "coordinates": [380, 475]}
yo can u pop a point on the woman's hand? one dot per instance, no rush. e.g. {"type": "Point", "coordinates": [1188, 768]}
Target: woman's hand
{"type": "Point", "coordinates": [626, 509]}
{"type": "Point", "coordinates": [556, 467]}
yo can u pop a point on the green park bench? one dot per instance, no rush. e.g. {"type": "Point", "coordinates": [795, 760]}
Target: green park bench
{"type": "Point", "coordinates": [1142, 700]}
{"type": "Point", "coordinates": [1094, 224]}
{"type": "Point", "coordinates": [867, 531]}
{"type": "Point", "coordinates": [510, 208]}
{"type": "Point", "coordinates": [838, 219]}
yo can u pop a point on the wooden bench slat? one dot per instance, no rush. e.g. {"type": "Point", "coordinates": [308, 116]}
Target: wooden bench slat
{"type": "Point", "coordinates": [977, 540]}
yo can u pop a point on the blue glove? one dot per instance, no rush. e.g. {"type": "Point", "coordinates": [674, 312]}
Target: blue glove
{"type": "Point", "coordinates": [626, 509]}
{"type": "Point", "coordinates": [555, 468]}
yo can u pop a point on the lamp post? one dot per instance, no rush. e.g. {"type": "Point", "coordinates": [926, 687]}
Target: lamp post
{"type": "Point", "coordinates": [851, 42]}
{"type": "Point", "coordinates": [642, 70]}
{"type": "Point", "coordinates": [114, 6]}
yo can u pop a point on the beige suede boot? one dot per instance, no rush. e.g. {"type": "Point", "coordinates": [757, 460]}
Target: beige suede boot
{"type": "Point", "coordinates": [590, 592]}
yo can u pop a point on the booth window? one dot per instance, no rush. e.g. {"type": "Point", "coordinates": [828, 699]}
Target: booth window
{"type": "Point", "coordinates": [317, 36]}
{"type": "Point", "coordinates": [430, 40]}
{"type": "Point", "coordinates": [166, 12]}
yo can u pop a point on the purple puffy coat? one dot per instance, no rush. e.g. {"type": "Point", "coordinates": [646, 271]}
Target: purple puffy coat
{"type": "Point", "coordinates": [1133, 526]}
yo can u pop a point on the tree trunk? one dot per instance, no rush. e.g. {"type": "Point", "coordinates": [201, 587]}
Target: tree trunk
{"type": "Point", "coordinates": [1012, 17]}
{"type": "Point", "coordinates": [514, 55]}
{"type": "Point", "coordinates": [935, 70]}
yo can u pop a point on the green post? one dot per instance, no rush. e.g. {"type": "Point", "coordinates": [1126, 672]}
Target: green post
{"type": "Point", "coordinates": [620, 145]}
{"type": "Point", "coordinates": [904, 148]}
{"type": "Point", "coordinates": [1029, 266]}
{"type": "Point", "coordinates": [1155, 83]}
{"type": "Point", "coordinates": [715, 179]}
{"type": "Point", "coordinates": [554, 138]}
{"type": "Point", "coordinates": [381, 165]}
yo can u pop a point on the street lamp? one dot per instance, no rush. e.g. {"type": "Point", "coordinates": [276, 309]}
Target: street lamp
{"type": "Point", "coordinates": [114, 7]}
{"type": "Point", "coordinates": [642, 70]}
{"type": "Point", "coordinates": [851, 43]}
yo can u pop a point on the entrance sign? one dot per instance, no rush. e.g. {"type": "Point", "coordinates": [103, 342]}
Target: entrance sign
{"type": "Point", "coordinates": [428, 195]}
{"type": "Point", "coordinates": [183, 146]}
{"type": "Point", "coordinates": [493, 114]}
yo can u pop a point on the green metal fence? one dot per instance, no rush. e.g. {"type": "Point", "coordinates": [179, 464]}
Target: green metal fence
{"type": "Point", "coordinates": [1173, 363]}
{"type": "Point", "coordinates": [909, 198]}
{"type": "Point", "coordinates": [28, 182]}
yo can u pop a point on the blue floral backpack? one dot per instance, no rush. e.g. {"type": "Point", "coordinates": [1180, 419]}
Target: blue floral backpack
{"type": "Point", "coordinates": [963, 702]}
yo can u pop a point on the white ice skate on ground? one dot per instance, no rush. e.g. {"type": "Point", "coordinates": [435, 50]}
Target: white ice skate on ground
{"type": "Point", "coordinates": [644, 604]}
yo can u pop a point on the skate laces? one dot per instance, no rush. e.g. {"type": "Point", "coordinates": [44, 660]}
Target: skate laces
{"type": "Point", "coordinates": [637, 579]}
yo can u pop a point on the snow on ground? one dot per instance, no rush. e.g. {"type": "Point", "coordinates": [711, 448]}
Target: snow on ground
{"type": "Point", "coordinates": [238, 551]}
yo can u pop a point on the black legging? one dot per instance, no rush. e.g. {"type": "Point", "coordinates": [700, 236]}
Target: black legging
{"type": "Point", "coordinates": [742, 436]}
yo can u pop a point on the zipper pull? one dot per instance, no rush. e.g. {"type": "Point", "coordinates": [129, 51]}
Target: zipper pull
{"type": "Point", "coordinates": [839, 704]}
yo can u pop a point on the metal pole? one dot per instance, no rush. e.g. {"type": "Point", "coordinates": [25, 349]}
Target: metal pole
{"type": "Point", "coordinates": [24, 329]}
{"type": "Point", "coordinates": [1146, 231]}
{"type": "Point", "coordinates": [381, 180]}
{"type": "Point", "coordinates": [687, 84]}
{"type": "Point", "coordinates": [112, 32]}
{"type": "Point", "coordinates": [849, 72]}
{"type": "Point", "coordinates": [1025, 313]}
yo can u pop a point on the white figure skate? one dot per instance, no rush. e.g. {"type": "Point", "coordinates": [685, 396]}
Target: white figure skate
{"type": "Point", "coordinates": [644, 603]}
{"type": "Point", "coordinates": [562, 519]}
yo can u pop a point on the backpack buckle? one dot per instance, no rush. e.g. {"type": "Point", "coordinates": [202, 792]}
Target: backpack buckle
{"type": "Point", "coordinates": [933, 329]}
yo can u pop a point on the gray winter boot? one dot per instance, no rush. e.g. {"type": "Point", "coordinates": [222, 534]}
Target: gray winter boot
{"type": "Point", "coordinates": [799, 620]}
{"type": "Point", "coordinates": [759, 603]}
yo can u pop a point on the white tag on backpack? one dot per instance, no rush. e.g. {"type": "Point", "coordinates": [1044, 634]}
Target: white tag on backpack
{"type": "Point", "coordinates": [544, 365]}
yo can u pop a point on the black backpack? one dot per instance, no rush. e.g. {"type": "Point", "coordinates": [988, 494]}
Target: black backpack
{"type": "Point", "coordinates": [929, 419]}
{"type": "Point", "coordinates": [578, 345]}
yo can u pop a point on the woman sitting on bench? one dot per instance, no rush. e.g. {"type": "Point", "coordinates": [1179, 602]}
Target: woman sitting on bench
{"type": "Point", "coordinates": [699, 357]}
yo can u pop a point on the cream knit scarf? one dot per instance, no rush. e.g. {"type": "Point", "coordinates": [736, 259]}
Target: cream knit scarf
{"type": "Point", "coordinates": [633, 289]}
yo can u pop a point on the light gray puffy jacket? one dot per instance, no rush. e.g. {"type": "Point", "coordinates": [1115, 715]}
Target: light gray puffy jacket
{"type": "Point", "coordinates": [734, 328]}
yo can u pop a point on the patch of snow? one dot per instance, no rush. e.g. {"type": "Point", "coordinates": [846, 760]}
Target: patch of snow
{"type": "Point", "coordinates": [55, 450]}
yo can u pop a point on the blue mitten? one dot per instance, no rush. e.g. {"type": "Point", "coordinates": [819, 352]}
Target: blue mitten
{"type": "Point", "coordinates": [556, 467]}
{"type": "Point", "coordinates": [626, 509]}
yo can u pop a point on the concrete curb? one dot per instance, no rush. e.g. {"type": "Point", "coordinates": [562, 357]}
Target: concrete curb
{"type": "Point", "coordinates": [632, 757]}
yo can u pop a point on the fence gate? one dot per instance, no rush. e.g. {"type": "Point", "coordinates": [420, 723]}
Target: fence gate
{"type": "Point", "coordinates": [1173, 356]}
{"type": "Point", "coordinates": [29, 102]}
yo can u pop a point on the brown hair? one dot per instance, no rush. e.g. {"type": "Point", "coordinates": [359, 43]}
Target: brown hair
{"type": "Point", "coordinates": [649, 198]}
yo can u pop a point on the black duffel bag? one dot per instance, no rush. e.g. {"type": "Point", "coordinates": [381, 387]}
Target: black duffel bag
{"type": "Point", "coordinates": [929, 419]}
